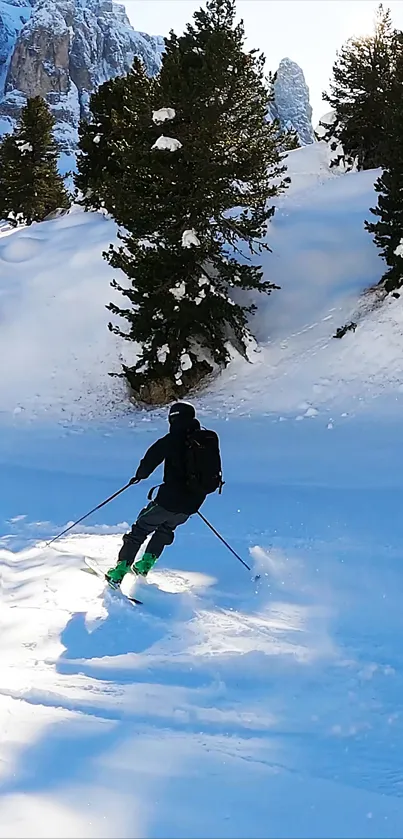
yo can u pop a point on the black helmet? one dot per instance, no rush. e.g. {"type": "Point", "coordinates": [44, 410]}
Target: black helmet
{"type": "Point", "coordinates": [182, 413]}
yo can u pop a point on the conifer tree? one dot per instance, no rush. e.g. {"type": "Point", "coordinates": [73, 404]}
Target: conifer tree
{"type": "Point", "coordinates": [361, 94]}
{"type": "Point", "coordinates": [111, 141]}
{"type": "Point", "coordinates": [30, 185]}
{"type": "Point", "coordinates": [388, 230]}
{"type": "Point", "coordinates": [186, 164]}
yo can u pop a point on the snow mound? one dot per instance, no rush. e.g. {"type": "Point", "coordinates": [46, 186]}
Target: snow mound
{"type": "Point", "coordinates": [20, 249]}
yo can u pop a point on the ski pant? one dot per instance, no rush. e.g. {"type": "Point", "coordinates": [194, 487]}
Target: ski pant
{"type": "Point", "coordinates": [152, 519]}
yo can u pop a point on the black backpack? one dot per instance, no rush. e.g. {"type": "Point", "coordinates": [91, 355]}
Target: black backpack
{"type": "Point", "coordinates": [203, 462]}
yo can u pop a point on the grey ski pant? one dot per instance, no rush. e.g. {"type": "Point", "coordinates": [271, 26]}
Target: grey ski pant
{"type": "Point", "coordinates": [152, 519]}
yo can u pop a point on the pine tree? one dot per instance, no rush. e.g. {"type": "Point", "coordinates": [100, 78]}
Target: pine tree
{"type": "Point", "coordinates": [361, 94]}
{"type": "Point", "coordinates": [30, 185]}
{"type": "Point", "coordinates": [190, 186]}
{"type": "Point", "coordinates": [388, 230]}
{"type": "Point", "coordinates": [121, 111]}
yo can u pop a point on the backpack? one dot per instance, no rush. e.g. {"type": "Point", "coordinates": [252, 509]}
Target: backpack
{"type": "Point", "coordinates": [203, 462]}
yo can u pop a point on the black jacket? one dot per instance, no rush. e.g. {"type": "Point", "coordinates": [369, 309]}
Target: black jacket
{"type": "Point", "coordinates": [174, 494]}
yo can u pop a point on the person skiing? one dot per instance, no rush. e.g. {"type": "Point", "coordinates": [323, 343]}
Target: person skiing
{"type": "Point", "coordinates": [192, 469]}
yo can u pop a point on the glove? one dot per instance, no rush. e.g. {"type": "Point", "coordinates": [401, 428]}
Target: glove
{"type": "Point", "coordinates": [134, 481]}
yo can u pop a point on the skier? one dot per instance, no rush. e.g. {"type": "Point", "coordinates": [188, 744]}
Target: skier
{"type": "Point", "coordinates": [192, 469]}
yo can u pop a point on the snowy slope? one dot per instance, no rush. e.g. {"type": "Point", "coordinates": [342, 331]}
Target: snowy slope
{"type": "Point", "coordinates": [54, 287]}
{"type": "Point", "coordinates": [222, 707]}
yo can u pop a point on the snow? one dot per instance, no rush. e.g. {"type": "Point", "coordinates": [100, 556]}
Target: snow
{"type": "Point", "coordinates": [162, 353]}
{"type": "Point", "coordinates": [147, 243]}
{"type": "Point", "coordinates": [125, 722]}
{"type": "Point", "coordinates": [13, 17]}
{"type": "Point", "coordinates": [46, 15]}
{"type": "Point", "coordinates": [24, 146]}
{"type": "Point", "coordinates": [327, 119]}
{"type": "Point", "coordinates": [167, 144]}
{"type": "Point", "coordinates": [163, 114]}
{"type": "Point", "coordinates": [322, 259]}
{"type": "Point", "coordinates": [399, 249]}
{"type": "Point", "coordinates": [56, 301]}
{"type": "Point", "coordinates": [190, 239]}
{"type": "Point", "coordinates": [223, 707]}
{"type": "Point", "coordinates": [179, 291]}
{"type": "Point", "coordinates": [201, 295]}
{"type": "Point", "coordinates": [186, 361]}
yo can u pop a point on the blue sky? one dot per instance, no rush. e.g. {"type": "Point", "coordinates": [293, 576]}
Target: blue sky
{"type": "Point", "coordinates": [307, 31]}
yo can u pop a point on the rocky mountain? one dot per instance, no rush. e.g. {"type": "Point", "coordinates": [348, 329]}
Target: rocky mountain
{"type": "Point", "coordinates": [291, 103]}
{"type": "Point", "coordinates": [63, 49]}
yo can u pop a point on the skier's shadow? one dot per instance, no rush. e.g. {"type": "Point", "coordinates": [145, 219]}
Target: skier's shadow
{"type": "Point", "coordinates": [125, 629]}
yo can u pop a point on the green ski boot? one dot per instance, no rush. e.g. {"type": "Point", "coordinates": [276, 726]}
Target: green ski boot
{"type": "Point", "coordinates": [115, 575]}
{"type": "Point", "coordinates": [144, 565]}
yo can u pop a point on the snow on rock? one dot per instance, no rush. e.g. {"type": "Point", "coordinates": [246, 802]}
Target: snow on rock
{"type": "Point", "coordinates": [13, 16]}
{"type": "Point", "coordinates": [291, 104]}
{"type": "Point", "coordinates": [167, 144]}
{"type": "Point", "coordinates": [190, 239]}
{"type": "Point", "coordinates": [163, 114]}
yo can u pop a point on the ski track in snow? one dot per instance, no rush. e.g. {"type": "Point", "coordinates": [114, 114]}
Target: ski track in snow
{"type": "Point", "coordinates": [115, 710]}
{"type": "Point", "coordinates": [118, 720]}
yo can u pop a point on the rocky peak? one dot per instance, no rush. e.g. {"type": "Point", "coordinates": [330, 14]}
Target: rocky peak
{"type": "Point", "coordinates": [291, 103]}
{"type": "Point", "coordinates": [62, 50]}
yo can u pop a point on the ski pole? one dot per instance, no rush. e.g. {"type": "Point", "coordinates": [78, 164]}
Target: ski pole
{"type": "Point", "coordinates": [111, 497]}
{"type": "Point", "coordinates": [223, 540]}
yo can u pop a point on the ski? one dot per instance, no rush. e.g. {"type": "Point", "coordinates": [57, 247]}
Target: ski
{"type": "Point", "coordinates": [93, 568]}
